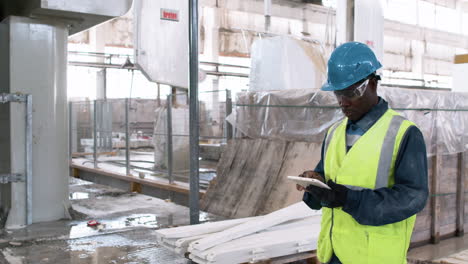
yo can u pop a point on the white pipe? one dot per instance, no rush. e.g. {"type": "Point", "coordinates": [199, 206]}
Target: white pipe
{"type": "Point", "coordinates": [267, 6]}
{"type": "Point", "coordinates": [267, 10]}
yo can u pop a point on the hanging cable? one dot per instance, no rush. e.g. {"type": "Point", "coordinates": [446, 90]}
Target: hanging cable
{"type": "Point", "coordinates": [131, 89]}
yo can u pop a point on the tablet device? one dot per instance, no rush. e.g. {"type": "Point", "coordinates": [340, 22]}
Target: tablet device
{"type": "Point", "coordinates": [308, 181]}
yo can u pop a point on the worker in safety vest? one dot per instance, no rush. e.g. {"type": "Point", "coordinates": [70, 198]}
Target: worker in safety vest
{"type": "Point", "coordinates": [375, 163]}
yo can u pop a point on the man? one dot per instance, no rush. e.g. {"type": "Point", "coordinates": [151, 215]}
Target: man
{"type": "Point", "coordinates": [375, 163]}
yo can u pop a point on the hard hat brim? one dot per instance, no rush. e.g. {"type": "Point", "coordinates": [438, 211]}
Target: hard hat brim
{"type": "Point", "coordinates": [328, 87]}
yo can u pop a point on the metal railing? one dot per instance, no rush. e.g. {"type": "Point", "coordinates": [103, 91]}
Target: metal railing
{"type": "Point", "coordinates": [27, 176]}
{"type": "Point", "coordinates": [118, 131]}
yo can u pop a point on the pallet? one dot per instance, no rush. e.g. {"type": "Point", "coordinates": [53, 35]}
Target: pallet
{"type": "Point", "coordinates": [305, 258]}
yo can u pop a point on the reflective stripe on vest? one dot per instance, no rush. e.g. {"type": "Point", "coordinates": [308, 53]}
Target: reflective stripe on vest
{"type": "Point", "coordinates": [386, 154]}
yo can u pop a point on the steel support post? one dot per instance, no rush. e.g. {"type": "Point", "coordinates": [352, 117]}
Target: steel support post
{"type": "Point", "coordinates": [169, 139]}
{"type": "Point", "coordinates": [29, 142]}
{"type": "Point", "coordinates": [194, 113]}
{"type": "Point", "coordinates": [228, 125]}
{"type": "Point", "coordinates": [127, 137]}
{"type": "Point", "coordinates": [267, 11]}
{"type": "Point", "coordinates": [70, 132]}
{"type": "Point", "coordinates": [95, 134]}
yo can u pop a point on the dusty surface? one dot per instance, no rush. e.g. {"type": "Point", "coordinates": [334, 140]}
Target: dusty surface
{"type": "Point", "coordinates": [132, 246]}
{"type": "Point", "coordinates": [126, 233]}
{"type": "Point", "coordinates": [452, 250]}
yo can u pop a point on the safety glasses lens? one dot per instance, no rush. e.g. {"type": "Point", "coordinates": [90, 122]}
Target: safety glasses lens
{"type": "Point", "coordinates": [361, 89]}
{"type": "Point", "coordinates": [354, 93]}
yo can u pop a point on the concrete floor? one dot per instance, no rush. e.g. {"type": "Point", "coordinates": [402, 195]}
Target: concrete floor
{"type": "Point", "coordinates": [440, 253]}
{"type": "Point", "coordinates": [126, 235]}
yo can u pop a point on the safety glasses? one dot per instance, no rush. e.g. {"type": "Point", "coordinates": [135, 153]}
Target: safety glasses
{"type": "Point", "coordinates": [353, 94]}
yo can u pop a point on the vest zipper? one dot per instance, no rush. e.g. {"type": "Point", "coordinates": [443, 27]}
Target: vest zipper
{"type": "Point", "coordinates": [331, 229]}
{"type": "Point", "coordinates": [332, 224]}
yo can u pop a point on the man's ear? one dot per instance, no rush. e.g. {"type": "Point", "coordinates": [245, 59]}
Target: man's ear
{"type": "Point", "coordinates": [373, 83]}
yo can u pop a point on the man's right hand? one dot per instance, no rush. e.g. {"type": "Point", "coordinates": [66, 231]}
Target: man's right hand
{"type": "Point", "coordinates": [309, 174]}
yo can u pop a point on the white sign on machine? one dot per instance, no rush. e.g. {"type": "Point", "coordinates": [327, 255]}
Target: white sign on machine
{"type": "Point", "coordinates": [161, 42]}
{"type": "Point", "coordinates": [369, 25]}
{"type": "Point", "coordinates": [362, 21]}
{"type": "Point", "coordinates": [169, 14]}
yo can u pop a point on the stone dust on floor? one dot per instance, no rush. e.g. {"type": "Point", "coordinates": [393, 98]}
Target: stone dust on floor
{"type": "Point", "coordinates": [125, 234]}
{"type": "Point", "coordinates": [448, 251]}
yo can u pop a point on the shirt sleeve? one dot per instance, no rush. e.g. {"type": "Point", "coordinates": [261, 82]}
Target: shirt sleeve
{"type": "Point", "coordinates": [307, 198]}
{"type": "Point", "coordinates": [406, 198]}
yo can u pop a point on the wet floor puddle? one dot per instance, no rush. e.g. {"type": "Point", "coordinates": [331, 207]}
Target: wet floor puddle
{"type": "Point", "coordinates": [81, 229]}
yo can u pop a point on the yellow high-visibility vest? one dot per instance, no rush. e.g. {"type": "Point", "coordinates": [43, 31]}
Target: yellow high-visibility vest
{"type": "Point", "coordinates": [369, 164]}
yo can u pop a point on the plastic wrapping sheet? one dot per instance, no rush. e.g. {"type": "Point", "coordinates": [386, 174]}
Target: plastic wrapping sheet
{"type": "Point", "coordinates": [293, 115]}
{"type": "Point", "coordinates": [441, 116]}
{"type": "Point", "coordinates": [282, 63]}
{"type": "Point", "coordinates": [180, 139]}
{"type": "Point", "coordinates": [305, 115]}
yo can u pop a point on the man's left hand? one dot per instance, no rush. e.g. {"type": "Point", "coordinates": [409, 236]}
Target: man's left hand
{"type": "Point", "coordinates": [336, 197]}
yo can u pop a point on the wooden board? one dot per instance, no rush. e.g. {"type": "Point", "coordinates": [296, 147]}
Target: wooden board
{"type": "Point", "coordinates": [435, 203]}
{"type": "Point", "coordinates": [438, 219]}
{"type": "Point", "coordinates": [460, 205]}
{"type": "Point", "coordinates": [462, 58]}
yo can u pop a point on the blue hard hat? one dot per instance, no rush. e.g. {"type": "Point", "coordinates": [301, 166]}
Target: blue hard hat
{"type": "Point", "coordinates": [348, 64]}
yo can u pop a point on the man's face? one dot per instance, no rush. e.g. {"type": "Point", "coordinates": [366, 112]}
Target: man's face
{"type": "Point", "coordinates": [358, 99]}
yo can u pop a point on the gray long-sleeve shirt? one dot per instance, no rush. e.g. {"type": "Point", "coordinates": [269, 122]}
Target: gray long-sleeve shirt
{"type": "Point", "coordinates": [387, 205]}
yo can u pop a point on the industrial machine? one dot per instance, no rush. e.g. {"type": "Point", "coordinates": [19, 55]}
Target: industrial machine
{"type": "Point", "coordinates": [33, 64]}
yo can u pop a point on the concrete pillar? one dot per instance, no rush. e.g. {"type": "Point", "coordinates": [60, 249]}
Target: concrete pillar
{"type": "Point", "coordinates": [37, 54]}
{"type": "Point", "coordinates": [344, 21]}
{"type": "Point", "coordinates": [417, 53]}
{"type": "Point", "coordinates": [212, 22]}
{"type": "Point", "coordinates": [369, 25]}
{"type": "Point", "coordinates": [267, 11]}
{"type": "Point", "coordinates": [305, 23]}
{"type": "Point", "coordinates": [97, 41]}
{"type": "Point", "coordinates": [360, 20]}
{"type": "Point", "coordinates": [101, 84]}
{"type": "Point", "coordinates": [459, 8]}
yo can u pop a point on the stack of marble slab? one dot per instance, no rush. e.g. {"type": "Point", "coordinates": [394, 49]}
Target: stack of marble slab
{"type": "Point", "coordinates": [306, 114]}
{"type": "Point", "coordinates": [288, 231]}
{"type": "Point", "coordinates": [280, 133]}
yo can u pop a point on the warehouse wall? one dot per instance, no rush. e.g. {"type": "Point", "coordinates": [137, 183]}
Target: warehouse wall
{"type": "Point", "coordinates": [420, 40]}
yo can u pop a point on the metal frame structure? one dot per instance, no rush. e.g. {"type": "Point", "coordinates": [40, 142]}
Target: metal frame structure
{"type": "Point", "coordinates": [169, 133]}
{"type": "Point", "coordinates": [27, 176]}
{"type": "Point", "coordinates": [127, 136]}
{"type": "Point", "coordinates": [169, 139]}
{"type": "Point", "coordinates": [228, 131]}
{"type": "Point", "coordinates": [215, 72]}
{"type": "Point", "coordinates": [194, 114]}
{"type": "Point", "coordinates": [95, 158]}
